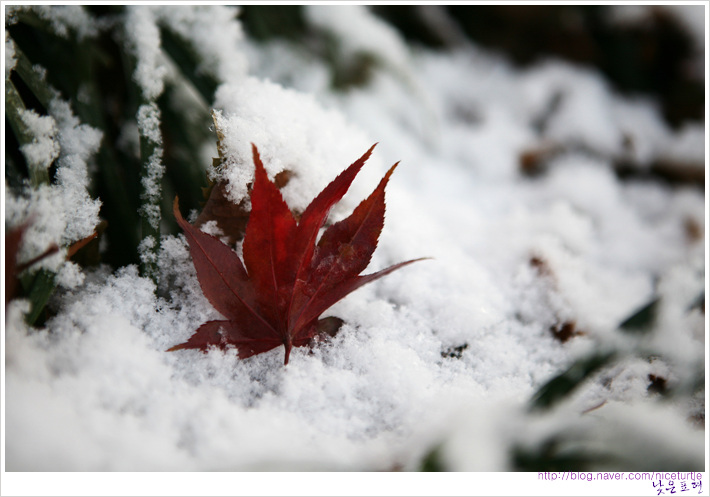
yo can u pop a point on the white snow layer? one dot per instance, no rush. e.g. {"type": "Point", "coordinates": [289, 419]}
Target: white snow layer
{"type": "Point", "coordinates": [95, 389]}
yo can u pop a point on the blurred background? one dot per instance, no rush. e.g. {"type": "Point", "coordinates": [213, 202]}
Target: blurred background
{"type": "Point", "coordinates": [653, 51]}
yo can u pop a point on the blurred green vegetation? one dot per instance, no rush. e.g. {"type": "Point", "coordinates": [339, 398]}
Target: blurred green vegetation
{"type": "Point", "coordinates": [96, 76]}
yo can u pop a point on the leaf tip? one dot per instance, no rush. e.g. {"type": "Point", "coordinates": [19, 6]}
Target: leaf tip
{"type": "Point", "coordinates": [176, 213]}
{"type": "Point", "coordinates": [367, 154]}
{"type": "Point", "coordinates": [386, 178]}
{"type": "Point", "coordinates": [287, 346]}
{"type": "Point", "coordinates": [259, 169]}
{"type": "Point", "coordinates": [255, 154]}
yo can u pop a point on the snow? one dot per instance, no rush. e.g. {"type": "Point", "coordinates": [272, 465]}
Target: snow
{"type": "Point", "coordinates": [144, 43]}
{"type": "Point", "coordinates": [147, 246]}
{"type": "Point", "coordinates": [687, 146]}
{"type": "Point", "coordinates": [292, 133]}
{"type": "Point", "coordinates": [359, 31]}
{"type": "Point", "coordinates": [64, 212]}
{"type": "Point", "coordinates": [148, 119]}
{"type": "Point", "coordinates": [61, 19]}
{"type": "Point", "coordinates": [43, 149]}
{"type": "Point", "coordinates": [384, 391]}
{"type": "Point", "coordinates": [215, 35]}
{"type": "Point", "coordinates": [10, 60]}
{"type": "Point", "coordinates": [70, 275]}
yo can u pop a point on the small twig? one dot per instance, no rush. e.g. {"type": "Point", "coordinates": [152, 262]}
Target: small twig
{"type": "Point", "coordinates": [53, 249]}
{"type": "Point", "coordinates": [594, 408]}
{"type": "Point", "coordinates": [76, 246]}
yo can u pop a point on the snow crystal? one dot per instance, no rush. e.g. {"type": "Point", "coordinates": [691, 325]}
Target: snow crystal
{"type": "Point", "coordinates": [211, 228]}
{"type": "Point", "coordinates": [63, 18]}
{"type": "Point", "coordinates": [70, 276]}
{"type": "Point", "coordinates": [78, 143]}
{"type": "Point", "coordinates": [43, 149]}
{"type": "Point", "coordinates": [147, 245]}
{"type": "Point", "coordinates": [144, 43]}
{"type": "Point", "coordinates": [148, 118]}
{"type": "Point", "coordinates": [151, 182]}
{"type": "Point", "coordinates": [61, 213]}
{"type": "Point", "coordinates": [46, 227]}
{"type": "Point", "coordinates": [292, 133]}
{"type": "Point", "coordinates": [76, 139]}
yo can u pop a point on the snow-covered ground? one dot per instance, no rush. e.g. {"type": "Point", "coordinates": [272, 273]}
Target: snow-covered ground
{"type": "Point", "coordinates": [444, 353]}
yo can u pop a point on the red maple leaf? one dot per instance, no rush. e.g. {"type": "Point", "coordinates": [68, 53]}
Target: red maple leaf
{"type": "Point", "coordinates": [287, 280]}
